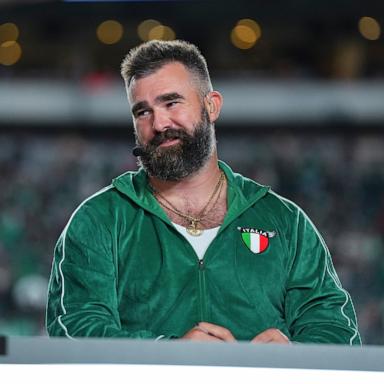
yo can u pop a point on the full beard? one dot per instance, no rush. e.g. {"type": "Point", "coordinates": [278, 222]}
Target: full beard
{"type": "Point", "coordinates": [182, 159]}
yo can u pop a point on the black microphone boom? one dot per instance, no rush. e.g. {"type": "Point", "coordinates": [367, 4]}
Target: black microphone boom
{"type": "Point", "coordinates": [138, 151]}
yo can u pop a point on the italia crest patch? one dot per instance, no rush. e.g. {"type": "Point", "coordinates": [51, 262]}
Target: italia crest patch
{"type": "Point", "coordinates": [257, 240]}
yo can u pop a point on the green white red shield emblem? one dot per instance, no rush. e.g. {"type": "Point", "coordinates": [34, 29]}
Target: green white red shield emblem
{"type": "Point", "coordinates": [256, 240]}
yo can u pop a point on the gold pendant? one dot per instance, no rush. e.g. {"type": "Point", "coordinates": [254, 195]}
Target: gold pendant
{"type": "Point", "coordinates": [193, 230]}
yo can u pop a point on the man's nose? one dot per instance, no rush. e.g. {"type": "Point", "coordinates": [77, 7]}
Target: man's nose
{"type": "Point", "coordinates": [161, 120]}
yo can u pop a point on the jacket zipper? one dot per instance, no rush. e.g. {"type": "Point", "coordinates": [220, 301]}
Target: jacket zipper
{"type": "Point", "coordinates": [202, 291]}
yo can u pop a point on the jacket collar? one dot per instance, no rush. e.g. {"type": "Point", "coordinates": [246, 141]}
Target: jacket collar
{"type": "Point", "coordinates": [241, 194]}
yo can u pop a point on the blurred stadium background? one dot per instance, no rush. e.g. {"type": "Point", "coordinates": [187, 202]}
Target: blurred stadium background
{"type": "Point", "coordinates": [303, 84]}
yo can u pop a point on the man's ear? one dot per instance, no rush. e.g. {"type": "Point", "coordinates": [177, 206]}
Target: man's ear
{"type": "Point", "coordinates": [213, 103]}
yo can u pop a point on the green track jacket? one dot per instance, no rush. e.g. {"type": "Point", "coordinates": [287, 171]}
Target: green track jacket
{"type": "Point", "coordinates": [121, 269]}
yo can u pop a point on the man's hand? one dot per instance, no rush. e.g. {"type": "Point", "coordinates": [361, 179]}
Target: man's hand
{"type": "Point", "coordinates": [209, 332]}
{"type": "Point", "coordinates": [271, 335]}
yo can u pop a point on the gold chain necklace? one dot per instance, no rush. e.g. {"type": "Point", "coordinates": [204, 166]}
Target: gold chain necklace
{"type": "Point", "coordinates": [193, 227]}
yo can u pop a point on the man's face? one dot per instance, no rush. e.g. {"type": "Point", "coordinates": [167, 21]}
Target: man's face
{"type": "Point", "coordinates": [171, 123]}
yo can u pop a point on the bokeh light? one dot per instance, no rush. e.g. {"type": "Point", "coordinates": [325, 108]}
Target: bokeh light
{"type": "Point", "coordinates": [245, 34]}
{"type": "Point", "coordinates": [10, 52]}
{"type": "Point", "coordinates": [110, 32]}
{"type": "Point", "coordinates": [8, 32]}
{"type": "Point", "coordinates": [145, 27]}
{"type": "Point", "coordinates": [153, 30]}
{"type": "Point", "coordinates": [369, 28]}
{"type": "Point", "coordinates": [161, 32]}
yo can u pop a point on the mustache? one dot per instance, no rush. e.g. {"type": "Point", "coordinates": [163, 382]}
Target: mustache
{"type": "Point", "coordinates": [169, 134]}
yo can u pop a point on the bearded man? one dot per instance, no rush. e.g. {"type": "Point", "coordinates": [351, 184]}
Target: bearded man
{"type": "Point", "coordinates": [185, 247]}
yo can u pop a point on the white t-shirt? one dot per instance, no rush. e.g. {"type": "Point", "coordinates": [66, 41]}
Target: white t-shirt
{"type": "Point", "coordinates": [199, 243]}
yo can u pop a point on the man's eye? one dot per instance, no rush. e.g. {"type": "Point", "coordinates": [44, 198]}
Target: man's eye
{"type": "Point", "coordinates": [172, 103]}
{"type": "Point", "coordinates": [142, 113]}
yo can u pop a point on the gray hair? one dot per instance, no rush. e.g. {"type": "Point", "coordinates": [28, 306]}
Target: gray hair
{"type": "Point", "coordinates": [149, 57]}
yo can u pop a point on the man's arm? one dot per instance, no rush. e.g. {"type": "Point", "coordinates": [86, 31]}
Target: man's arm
{"type": "Point", "coordinates": [317, 308]}
{"type": "Point", "coordinates": [82, 296]}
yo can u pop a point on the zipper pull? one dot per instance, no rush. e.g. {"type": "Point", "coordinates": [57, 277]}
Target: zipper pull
{"type": "Point", "coordinates": [201, 264]}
